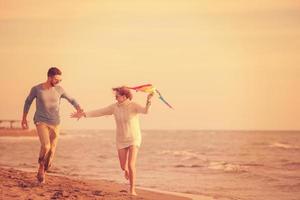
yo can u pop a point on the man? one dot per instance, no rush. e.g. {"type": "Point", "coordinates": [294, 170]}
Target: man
{"type": "Point", "coordinates": [46, 118]}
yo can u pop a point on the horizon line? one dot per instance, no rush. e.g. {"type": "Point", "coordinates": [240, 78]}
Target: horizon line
{"type": "Point", "coordinates": [252, 130]}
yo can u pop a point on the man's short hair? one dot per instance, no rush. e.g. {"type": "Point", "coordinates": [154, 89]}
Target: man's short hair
{"type": "Point", "coordinates": [53, 71]}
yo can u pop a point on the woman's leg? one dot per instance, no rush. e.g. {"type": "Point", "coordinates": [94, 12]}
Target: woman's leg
{"type": "Point", "coordinates": [123, 155]}
{"type": "Point", "coordinates": [132, 156]}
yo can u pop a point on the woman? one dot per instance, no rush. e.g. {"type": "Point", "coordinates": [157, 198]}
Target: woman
{"type": "Point", "coordinates": [128, 133]}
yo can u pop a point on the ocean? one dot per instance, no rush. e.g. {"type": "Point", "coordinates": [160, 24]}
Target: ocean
{"type": "Point", "coordinates": [237, 165]}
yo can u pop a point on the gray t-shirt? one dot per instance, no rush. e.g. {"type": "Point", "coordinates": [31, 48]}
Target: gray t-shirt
{"type": "Point", "coordinates": [47, 103]}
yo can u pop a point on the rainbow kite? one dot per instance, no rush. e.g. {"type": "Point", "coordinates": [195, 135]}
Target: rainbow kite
{"type": "Point", "coordinates": [149, 88]}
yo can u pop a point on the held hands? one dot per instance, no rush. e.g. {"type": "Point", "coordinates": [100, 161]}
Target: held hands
{"type": "Point", "coordinates": [78, 114]}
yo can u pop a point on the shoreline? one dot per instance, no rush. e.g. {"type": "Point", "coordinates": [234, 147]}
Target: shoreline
{"type": "Point", "coordinates": [18, 133]}
{"type": "Point", "coordinates": [22, 184]}
{"type": "Point", "coordinates": [190, 196]}
{"type": "Point", "coordinates": [31, 133]}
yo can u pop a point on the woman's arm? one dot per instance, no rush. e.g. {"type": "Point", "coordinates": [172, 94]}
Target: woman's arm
{"type": "Point", "coordinates": [95, 113]}
{"type": "Point", "coordinates": [144, 110]}
{"type": "Point", "coordinates": [100, 112]}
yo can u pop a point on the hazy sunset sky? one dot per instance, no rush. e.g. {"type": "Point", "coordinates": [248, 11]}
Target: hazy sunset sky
{"type": "Point", "coordinates": [222, 64]}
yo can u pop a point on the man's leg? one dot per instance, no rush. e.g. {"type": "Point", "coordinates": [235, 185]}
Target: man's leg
{"type": "Point", "coordinates": [54, 133]}
{"type": "Point", "coordinates": [43, 133]}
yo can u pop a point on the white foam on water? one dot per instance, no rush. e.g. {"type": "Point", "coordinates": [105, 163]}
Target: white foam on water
{"type": "Point", "coordinates": [184, 154]}
{"type": "Point", "coordinates": [226, 167]}
{"type": "Point", "coordinates": [283, 145]}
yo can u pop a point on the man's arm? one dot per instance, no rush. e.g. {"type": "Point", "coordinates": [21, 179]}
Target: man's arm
{"type": "Point", "coordinates": [27, 104]}
{"type": "Point", "coordinates": [72, 101]}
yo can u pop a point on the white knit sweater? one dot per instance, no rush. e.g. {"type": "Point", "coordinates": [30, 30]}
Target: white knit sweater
{"type": "Point", "coordinates": [126, 115]}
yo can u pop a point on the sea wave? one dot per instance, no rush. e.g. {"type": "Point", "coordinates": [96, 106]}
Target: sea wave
{"type": "Point", "coordinates": [71, 136]}
{"type": "Point", "coordinates": [184, 154]}
{"type": "Point", "coordinates": [188, 166]}
{"type": "Point", "coordinates": [226, 167]}
{"type": "Point", "coordinates": [283, 145]}
{"type": "Point", "coordinates": [216, 165]}
{"type": "Point", "coordinates": [292, 165]}
{"type": "Point", "coordinates": [252, 165]}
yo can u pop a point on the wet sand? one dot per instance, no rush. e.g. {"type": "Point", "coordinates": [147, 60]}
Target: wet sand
{"type": "Point", "coordinates": [16, 184]}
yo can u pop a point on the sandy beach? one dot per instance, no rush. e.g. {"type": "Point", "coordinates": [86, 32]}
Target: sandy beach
{"type": "Point", "coordinates": [16, 184]}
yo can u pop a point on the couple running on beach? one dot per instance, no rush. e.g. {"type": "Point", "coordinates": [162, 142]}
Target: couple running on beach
{"type": "Point", "coordinates": [47, 121]}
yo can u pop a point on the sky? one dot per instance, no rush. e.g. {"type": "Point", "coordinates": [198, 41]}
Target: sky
{"type": "Point", "coordinates": [221, 64]}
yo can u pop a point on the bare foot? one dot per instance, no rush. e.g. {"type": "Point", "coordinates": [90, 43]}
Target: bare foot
{"type": "Point", "coordinates": [41, 174]}
{"type": "Point", "coordinates": [47, 164]}
{"type": "Point", "coordinates": [126, 174]}
{"type": "Point", "coordinates": [48, 167]}
{"type": "Point", "coordinates": [40, 178]}
{"type": "Point", "coordinates": [132, 192]}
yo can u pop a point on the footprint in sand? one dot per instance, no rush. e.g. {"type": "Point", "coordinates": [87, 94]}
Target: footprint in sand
{"type": "Point", "coordinates": [98, 193]}
{"type": "Point", "coordinates": [58, 194]}
{"type": "Point", "coordinates": [26, 184]}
